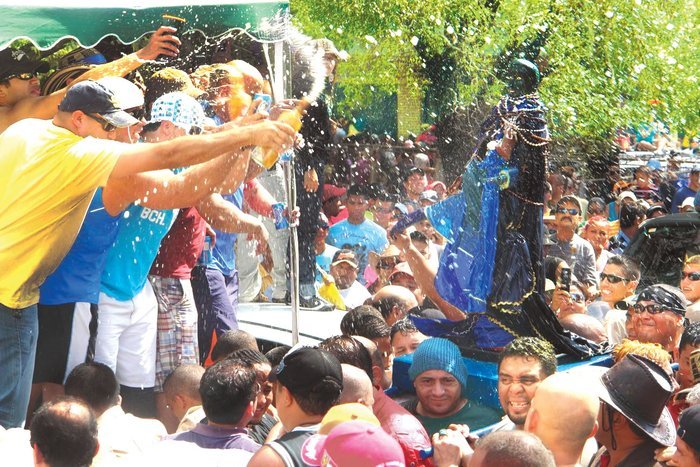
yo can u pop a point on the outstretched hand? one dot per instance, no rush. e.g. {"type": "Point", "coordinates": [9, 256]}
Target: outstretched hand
{"type": "Point", "coordinates": [277, 136]}
{"type": "Point", "coordinates": [162, 42]}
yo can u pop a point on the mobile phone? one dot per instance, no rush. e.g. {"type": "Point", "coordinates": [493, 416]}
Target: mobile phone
{"type": "Point", "coordinates": [695, 365]}
{"type": "Point", "coordinates": [565, 279]}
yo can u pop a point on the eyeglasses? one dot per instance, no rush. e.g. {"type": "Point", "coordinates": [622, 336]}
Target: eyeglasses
{"type": "Point", "coordinates": [525, 380]}
{"type": "Point", "coordinates": [613, 279]}
{"type": "Point", "coordinates": [23, 76]}
{"type": "Point", "coordinates": [577, 297]}
{"type": "Point", "coordinates": [693, 276]}
{"type": "Point", "coordinates": [106, 126]}
{"type": "Point", "coordinates": [195, 130]}
{"type": "Point", "coordinates": [571, 211]}
{"type": "Point", "coordinates": [652, 309]}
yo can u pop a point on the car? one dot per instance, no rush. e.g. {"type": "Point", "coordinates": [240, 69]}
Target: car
{"type": "Point", "coordinates": [271, 324]}
{"type": "Point", "coordinates": [661, 246]}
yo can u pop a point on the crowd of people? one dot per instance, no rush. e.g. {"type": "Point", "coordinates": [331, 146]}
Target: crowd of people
{"type": "Point", "coordinates": [136, 219]}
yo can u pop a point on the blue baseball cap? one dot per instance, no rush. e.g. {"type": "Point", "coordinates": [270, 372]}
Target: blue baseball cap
{"type": "Point", "coordinates": [654, 164]}
{"type": "Point", "coordinates": [91, 97]}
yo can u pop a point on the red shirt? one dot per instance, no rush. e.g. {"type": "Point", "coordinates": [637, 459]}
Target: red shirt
{"type": "Point", "coordinates": [181, 247]}
{"type": "Point", "coordinates": [403, 427]}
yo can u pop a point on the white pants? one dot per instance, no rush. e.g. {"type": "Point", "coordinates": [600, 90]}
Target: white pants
{"type": "Point", "coordinates": [126, 337]}
{"type": "Point", "coordinates": [80, 336]}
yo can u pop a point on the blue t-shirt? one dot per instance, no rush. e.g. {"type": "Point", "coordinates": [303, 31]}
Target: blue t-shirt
{"type": "Point", "coordinates": [360, 238]}
{"type": "Point", "coordinates": [77, 278]}
{"type": "Point", "coordinates": [141, 230]}
{"type": "Point", "coordinates": [224, 255]}
{"type": "Point", "coordinates": [680, 196]}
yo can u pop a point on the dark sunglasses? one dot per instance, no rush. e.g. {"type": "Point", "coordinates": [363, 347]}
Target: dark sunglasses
{"type": "Point", "coordinates": [652, 309]}
{"type": "Point", "coordinates": [384, 264]}
{"type": "Point", "coordinates": [23, 76]}
{"type": "Point", "coordinates": [612, 278]}
{"type": "Point", "coordinates": [693, 276]}
{"type": "Point", "coordinates": [106, 126]}
{"type": "Point", "coordinates": [196, 130]}
{"type": "Point", "coordinates": [571, 211]}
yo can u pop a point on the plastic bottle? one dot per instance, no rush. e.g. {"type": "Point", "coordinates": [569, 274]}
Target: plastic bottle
{"type": "Point", "coordinates": [292, 117]}
{"type": "Point", "coordinates": [329, 291]}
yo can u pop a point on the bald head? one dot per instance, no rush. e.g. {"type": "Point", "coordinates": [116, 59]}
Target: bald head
{"type": "Point", "coordinates": [184, 381]}
{"type": "Point", "coordinates": [252, 79]}
{"type": "Point", "coordinates": [558, 394]}
{"type": "Point", "coordinates": [394, 301]}
{"type": "Point", "coordinates": [585, 326]}
{"type": "Point", "coordinates": [181, 389]}
{"type": "Point", "coordinates": [357, 386]}
{"type": "Point", "coordinates": [512, 448]}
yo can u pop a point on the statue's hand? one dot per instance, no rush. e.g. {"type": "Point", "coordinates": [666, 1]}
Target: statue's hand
{"type": "Point", "coordinates": [505, 147]}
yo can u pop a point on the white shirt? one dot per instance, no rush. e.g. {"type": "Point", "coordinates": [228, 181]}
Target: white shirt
{"type": "Point", "coordinates": [355, 295]}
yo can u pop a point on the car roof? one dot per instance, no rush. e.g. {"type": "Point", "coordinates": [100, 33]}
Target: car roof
{"type": "Point", "coordinates": [272, 322]}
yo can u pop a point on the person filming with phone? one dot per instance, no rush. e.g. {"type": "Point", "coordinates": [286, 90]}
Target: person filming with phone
{"type": "Point", "coordinates": [570, 247]}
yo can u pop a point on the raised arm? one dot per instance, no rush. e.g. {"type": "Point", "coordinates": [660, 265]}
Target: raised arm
{"type": "Point", "coordinates": [258, 198]}
{"type": "Point", "coordinates": [191, 150]}
{"type": "Point", "coordinates": [424, 275]}
{"type": "Point", "coordinates": [164, 190]}
{"type": "Point", "coordinates": [226, 217]}
{"type": "Point", "coordinates": [44, 107]}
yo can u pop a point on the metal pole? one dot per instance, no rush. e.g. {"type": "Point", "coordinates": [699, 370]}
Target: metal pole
{"type": "Point", "coordinates": [293, 253]}
{"type": "Point", "coordinates": [280, 74]}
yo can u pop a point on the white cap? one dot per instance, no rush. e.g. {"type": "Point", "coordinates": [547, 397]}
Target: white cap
{"type": "Point", "coordinates": [626, 194]}
{"type": "Point", "coordinates": [127, 94]}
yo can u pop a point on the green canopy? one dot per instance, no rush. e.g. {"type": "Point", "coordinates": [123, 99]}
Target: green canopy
{"type": "Point", "coordinates": [45, 22]}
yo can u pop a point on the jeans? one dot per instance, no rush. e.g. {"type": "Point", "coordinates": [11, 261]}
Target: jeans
{"type": "Point", "coordinates": [19, 329]}
{"type": "Point", "coordinates": [216, 297]}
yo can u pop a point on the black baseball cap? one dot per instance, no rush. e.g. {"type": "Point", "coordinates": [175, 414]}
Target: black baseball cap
{"type": "Point", "coordinates": [412, 170]}
{"type": "Point", "coordinates": [15, 61]}
{"type": "Point", "coordinates": [93, 98]}
{"type": "Point", "coordinates": [305, 368]}
{"type": "Point", "coordinates": [689, 427]}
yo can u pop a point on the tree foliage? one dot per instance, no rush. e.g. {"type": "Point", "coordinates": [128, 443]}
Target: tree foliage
{"type": "Point", "coordinates": [605, 64]}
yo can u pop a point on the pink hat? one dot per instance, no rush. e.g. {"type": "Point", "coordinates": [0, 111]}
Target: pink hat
{"type": "Point", "coordinates": [353, 443]}
{"type": "Point", "coordinates": [436, 184]}
{"type": "Point", "coordinates": [401, 268]}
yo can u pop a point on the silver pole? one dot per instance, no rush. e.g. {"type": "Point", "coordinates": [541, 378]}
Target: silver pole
{"type": "Point", "coordinates": [280, 75]}
{"type": "Point", "coordinates": [293, 253]}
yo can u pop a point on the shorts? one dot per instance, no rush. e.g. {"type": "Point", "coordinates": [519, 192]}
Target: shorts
{"type": "Point", "coordinates": [67, 335]}
{"type": "Point", "coordinates": [176, 341]}
{"type": "Point", "coordinates": [126, 337]}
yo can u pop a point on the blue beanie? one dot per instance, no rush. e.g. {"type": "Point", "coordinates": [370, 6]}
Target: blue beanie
{"type": "Point", "coordinates": [439, 354]}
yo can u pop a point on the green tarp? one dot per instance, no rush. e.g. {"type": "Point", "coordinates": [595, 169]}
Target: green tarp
{"type": "Point", "coordinates": [45, 24]}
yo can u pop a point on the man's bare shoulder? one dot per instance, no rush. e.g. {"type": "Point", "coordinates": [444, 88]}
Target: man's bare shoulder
{"type": "Point", "coordinates": [266, 457]}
